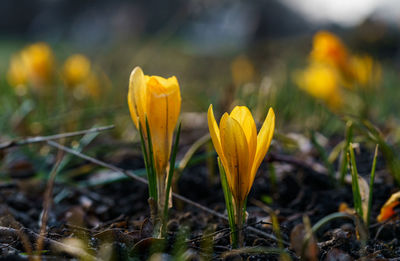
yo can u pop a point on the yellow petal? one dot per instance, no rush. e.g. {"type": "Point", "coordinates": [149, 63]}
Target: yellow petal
{"type": "Point", "coordinates": [132, 108]}
{"type": "Point", "coordinates": [322, 82]}
{"type": "Point", "coordinates": [163, 108]}
{"type": "Point", "coordinates": [162, 89]}
{"type": "Point", "coordinates": [243, 115]}
{"type": "Point", "coordinates": [168, 83]}
{"type": "Point", "coordinates": [263, 141]}
{"type": "Point", "coordinates": [137, 97]}
{"type": "Point", "coordinates": [235, 148]}
{"type": "Point", "coordinates": [39, 60]}
{"type": "Point", "coordinates": [76, 70]}
{"type": "Point", "coordinates": [387, 211]}
{"type": "Point", "coordinates": [329, 49]}
{"type": "Point", "coordinates": [215, 134]}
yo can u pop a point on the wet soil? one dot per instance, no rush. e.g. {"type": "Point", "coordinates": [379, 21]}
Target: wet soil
{"type": "Point", "coordinates": [111, 220]}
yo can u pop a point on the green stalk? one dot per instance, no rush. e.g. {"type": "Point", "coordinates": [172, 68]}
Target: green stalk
{"type": "Point", "coordinates": [239, 223]}
{"type": "Point", "coordinates": [170, 176]}
{"type": "Point", "coordinates": [344, 162]}
{"type": "Point", "coordinates": [229, 204]}
{"type": "Point", "coordinates": [371, 185]}
{"type": "Point", "coordinates": [151, 163]}
{"type": "Point", "coordinates": [388, 152]}
{"type": "Point", "coordinates": [244, 207]}
{"type": "Point", "coordinates": [354, 183]}
{"type": "Point", "coordinates": [150, 176]}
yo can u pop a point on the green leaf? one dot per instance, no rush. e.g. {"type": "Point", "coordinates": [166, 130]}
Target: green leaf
{"type": "Point", "coordinates": [151, 162]}
{"type": "Point", "coordinates": [171, 172]}
{"type": "Point", "coordinates": [228, 202]}
{"type": "Point", "coordinates": [388, 152]}
{"type": "Point", "coordinates": [354, 183]}
{"type": "Point", "coordinates": [149, 166]}
{"type": "Point", "coordinates": [323, 221]}
{"type": "Point", "coordinates": [343, 160]}
{"type": "Point", "coordinates": [371, 185]}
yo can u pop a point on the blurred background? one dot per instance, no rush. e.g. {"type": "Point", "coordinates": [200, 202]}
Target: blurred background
{"type": "Point", "coordinates": [222, 52]}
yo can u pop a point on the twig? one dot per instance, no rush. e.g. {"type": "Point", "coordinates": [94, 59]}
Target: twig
{"type": "Point", "coordinates": [19, 142]}
{"type": "Point", "coordinates": [15, 234]}
{"type": "Point", "coordinates": [135, 177]}
{"type": "Point", "coordinates": [96, 161]}
{"type": "Point", "coordinates": [48, 200]}
{"type": "Point", "coordinates": [210, 235]}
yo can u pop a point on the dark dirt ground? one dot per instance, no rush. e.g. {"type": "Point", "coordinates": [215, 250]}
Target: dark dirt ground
{"type": "Point", "coordinates": [115, 215]}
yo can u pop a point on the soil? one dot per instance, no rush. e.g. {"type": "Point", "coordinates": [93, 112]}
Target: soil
{"type": "Point", "coordinates": [111, 221]}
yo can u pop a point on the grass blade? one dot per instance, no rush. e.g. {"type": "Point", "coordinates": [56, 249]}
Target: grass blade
{"type": "Point", "coordinates": [343, 161]}
{"type": "Point", "coordinates": [228, 203]}
{"type": "Point", "coordinates": [191, 151]}
{"type": "Point", "coordinates": [317, 226]}
{"type": "Point", "coordinates": [151, 184]}
{"type": "Point", "coordinates": [354, 183]}
{"type": "Point", "coordinates": [152, 176]}
{"type": "Point", "coordinates": [171, 171]}
{"type": "Point", "coordinates": [371, 185]}
{"type": "Point", "coordinates": [388, 152]}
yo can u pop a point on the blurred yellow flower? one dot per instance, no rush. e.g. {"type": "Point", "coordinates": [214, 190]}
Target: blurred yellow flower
{"type": "Point", "coordinates": [334, 74]}
{"type": "Point", "coordinates": [78, 74]}
{"type": "Point", "coordinates": [328, 49]}
{"type": "Point", "coordinates": [32, 65]}
{"type": "Point", "coordinates": [38, 59]}
{"type": "Point", "coordinates": [321, 82]}
{"type": "Point", "coordinates": [242, 70]}
{"type": "Point", "coordinates": [17, 75]}
{"type": "Point", "coordinates": [159, 100]}
{"type": "Point", "coordinates": [239, 147]}
{"type": "Point", "coordinates": [76, 70]}
{"type": "Point", "coordinates": [365, 71]}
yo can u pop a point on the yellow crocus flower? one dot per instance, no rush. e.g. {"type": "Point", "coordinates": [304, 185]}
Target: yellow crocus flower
{"type": "Point", "coordinates": [159, 100]}
{"type": "Point", "coordinates": [329, 49]}
{"type": "Point", "coordinates": [321, 82]}
{"type": "Point", "coordinates": [76, 70]}
{"type": "Point", "coordinates": [17, 75]}
{"type": "Point", "coordinates": [39, 61]}
{"type": "Point", "coordinates": [239, 147]}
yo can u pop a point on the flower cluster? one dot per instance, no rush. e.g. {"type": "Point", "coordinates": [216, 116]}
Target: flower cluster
{"type": "Point", "coordinates": [333, 70]}
{"type": "Point", "coordinates": [155, 103]}
{"type": "Point", "coordinates": [158, 101]}
{"type": "Point", "coordinates": [35, 66]}
{"type": "Point", "coordinates": [79, 76]}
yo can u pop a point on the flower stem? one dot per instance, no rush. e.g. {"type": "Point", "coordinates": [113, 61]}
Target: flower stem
{"type": "Point", "coordinates": [239, 224]}
{"type": "Point", "coordinates": [159, 221]}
